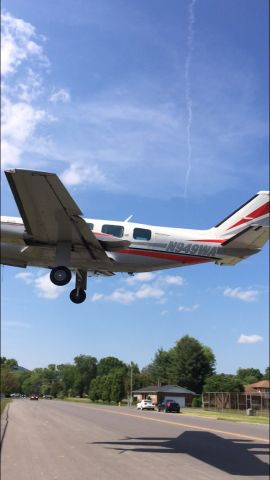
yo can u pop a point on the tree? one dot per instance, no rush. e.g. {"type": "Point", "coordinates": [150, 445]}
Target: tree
{"type": "Point", "coordinates": [117, 380]}
{"type": "Point", "coordinates": [267, 373]}
{"type": "Point", "coordinates": [9, 381]}
{"type": "Point", "coordinates": [107, 364]}
{"type": "Point", "coordinates": [191, 363]}
{"type": "Point", "coordinates": [159, 370]}
{"type": "Point", "coordinates": [209, 354]}
{"type": "Point", "coordinates": [10, 363]}
{"type": "Point", "coordinates": [132, 374]}
{"type": "Point", "coordinates": [108, 388]}
{"type": "Point", "coordinates": [223, 383]}
{"type": "Point", "coordinates": [249, 375]}
{"type": "Point", "coordinates": [85, 371]}
{"type": "Point", "coordinates": [67, 373]}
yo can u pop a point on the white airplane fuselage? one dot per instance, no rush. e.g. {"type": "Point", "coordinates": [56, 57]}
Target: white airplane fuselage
{"type": "Point", "coordinates": [167, 247]}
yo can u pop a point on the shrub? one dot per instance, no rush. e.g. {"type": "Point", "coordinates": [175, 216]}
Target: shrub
{"type": "Point", "coordinates": [196, 402]}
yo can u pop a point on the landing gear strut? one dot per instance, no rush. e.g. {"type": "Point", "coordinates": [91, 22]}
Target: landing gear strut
{"type": "Point", "coordinates": [78, 295]}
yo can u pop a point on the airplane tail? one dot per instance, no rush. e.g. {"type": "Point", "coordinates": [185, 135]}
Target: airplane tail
{"type": "Point", "coordinates": [248, 226]}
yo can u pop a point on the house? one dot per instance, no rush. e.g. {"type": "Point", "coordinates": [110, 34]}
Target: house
{"type": "Point", "coordinates": [158, 393]}
{"type": "Point", "coordinates": [262, 387]}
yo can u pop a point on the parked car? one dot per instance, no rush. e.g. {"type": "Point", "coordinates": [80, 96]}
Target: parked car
{"type": "Point", "coordinates": [168, 406]}
{"type": "Point", "coordinates": [34, 397]}
{"type": "Point", "coordinates": [145, 405]}
{"type": "Point", "coordinates": [48, 397]}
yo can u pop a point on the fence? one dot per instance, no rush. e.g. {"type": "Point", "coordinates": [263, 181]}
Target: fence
{"type": "Point", "coordinates": [238, 402]}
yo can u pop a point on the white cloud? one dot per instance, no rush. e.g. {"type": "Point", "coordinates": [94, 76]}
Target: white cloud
{"type": "Point", "coordinates": [124, 296]}
{"type": "Point", "coordinates": [146, 291]}
{"type": "Point", "coordinates": [188, 309]}
{"type": "Point", "coordinates": [78, 173]}
{"type": "Point", "coordinates": [249, 338]}
{"type": "Point", "coordinates": [21, 85]}
{"type": "Point", "coordinates": [141, 277]}
{"type": "Point", "coordinates": [27, 277]}
{"type": "Point", "coordinates": [18, 43]}
{"type": "Point", "coordinates": [62, 95]}
{"type": "Point", "coordinates": [96, 297]}
{"type": "Point", "coordinates": [174, 280]}
{"type": "Point", "coordinates": [46, 288]}
{"type": "Point", "coordinates": [19, 121]}
{"type": "Point", "coordinates": [248, 295]}
{"type": "Point", "coordinates": [121, 296]}
{"type": "Point", "coordinates": [42, 284]}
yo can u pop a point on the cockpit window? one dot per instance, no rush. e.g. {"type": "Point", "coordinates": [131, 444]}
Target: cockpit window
{"type": "Point", "coordinates": [115, 230]}
{"type": "Point", "coordinates": [141, 234]}
{"type": "Point", "coordinates": [91, 226]}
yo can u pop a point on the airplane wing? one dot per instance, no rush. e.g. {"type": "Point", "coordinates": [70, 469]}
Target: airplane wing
{"type": "Point", "coordinates": [49, 213]}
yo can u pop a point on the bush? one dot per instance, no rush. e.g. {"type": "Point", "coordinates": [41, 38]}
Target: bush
{"type": "Point", "coordinates": [196, 402]}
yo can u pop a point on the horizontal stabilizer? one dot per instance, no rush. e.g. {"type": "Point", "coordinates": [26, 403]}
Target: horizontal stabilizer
{"type": "Point", "coordinates": [253, 237]}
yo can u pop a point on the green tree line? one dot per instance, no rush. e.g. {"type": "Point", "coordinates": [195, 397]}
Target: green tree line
{"type": "Point", "coordinates": [188, 364]}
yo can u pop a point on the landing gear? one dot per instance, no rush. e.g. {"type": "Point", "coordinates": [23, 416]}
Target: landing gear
{"type": "Point", "coordinates": [78, 295]}
{"type": "Point", "coordinates": [60, 276]}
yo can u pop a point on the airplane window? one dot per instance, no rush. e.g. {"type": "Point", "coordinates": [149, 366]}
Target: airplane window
{"type": "Point", "coordinates": [141, 234]}
{"type": "Point", "coordinates": [115, 230]}
{"type": "Point", "coordinates": [91, 226]}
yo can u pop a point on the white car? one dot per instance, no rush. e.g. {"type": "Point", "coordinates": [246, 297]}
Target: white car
{"type": "Point", "coordinates": [145, 405]}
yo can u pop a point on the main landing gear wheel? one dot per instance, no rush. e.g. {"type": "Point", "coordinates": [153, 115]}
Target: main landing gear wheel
{"type": "Point", "coordinates": [60, 276]}
{"type": "Point", "coordinates": [77, 295]}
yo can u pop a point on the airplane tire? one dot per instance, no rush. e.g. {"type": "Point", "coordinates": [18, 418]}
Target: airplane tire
{"type": "Point", "coordinates": [60, 276]}
{"type": "Point", "coordinates": [77, 296]}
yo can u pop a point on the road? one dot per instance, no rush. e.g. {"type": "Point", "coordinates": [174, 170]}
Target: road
{"type": "Point", "coordinates": [55, 440]}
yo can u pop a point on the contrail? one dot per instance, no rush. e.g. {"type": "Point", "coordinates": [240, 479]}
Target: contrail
{"type": "Point", "coordinates": [191, 21]}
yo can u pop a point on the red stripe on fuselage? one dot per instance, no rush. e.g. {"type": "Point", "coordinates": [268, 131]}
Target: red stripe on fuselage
{"type": "Point", "coordinates": [166, 256]}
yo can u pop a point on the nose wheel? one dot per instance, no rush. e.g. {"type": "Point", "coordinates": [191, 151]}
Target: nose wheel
{"type": "Point", "coordinates": [78, 295]}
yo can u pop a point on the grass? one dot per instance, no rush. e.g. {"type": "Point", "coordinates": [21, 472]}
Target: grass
{"type": "Point", "coordinates": [75, 399]}
{"type": "Point", "coordinates": [87, 400]}
{"type": "Point", "coordinates": [230, 416]}
{"type": "Point", "coordinates": [3, 403]}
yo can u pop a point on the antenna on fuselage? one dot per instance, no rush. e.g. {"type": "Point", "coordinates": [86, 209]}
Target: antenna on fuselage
{"type": "Point", "coordinates": [129, 218]}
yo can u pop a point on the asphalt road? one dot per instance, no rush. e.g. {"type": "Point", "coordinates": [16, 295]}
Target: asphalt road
{"type": "Point", "coordinates": [49, 440]}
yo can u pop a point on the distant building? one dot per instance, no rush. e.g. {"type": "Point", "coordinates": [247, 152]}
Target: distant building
{"type": "Point", "coordinates": [158, 394]}
{"type": "Point", "coordinates": [262, 387]}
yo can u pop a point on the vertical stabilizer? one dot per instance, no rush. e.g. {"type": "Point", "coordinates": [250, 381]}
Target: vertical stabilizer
{"type": "Point", "coordinates": [254, 213]}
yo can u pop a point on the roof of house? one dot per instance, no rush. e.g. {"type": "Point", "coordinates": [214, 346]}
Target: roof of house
{"type": "Point", "coordinates": [261, 384]}
{"type": "Point", "coordinates": [164, 389]}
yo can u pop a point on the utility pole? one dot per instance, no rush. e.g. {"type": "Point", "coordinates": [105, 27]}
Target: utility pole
{"type": "Point", "coordinates": [130, 404]}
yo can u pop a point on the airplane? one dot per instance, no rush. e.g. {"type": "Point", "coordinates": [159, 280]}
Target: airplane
{"type": "Point", "coordinates": [52, 233]}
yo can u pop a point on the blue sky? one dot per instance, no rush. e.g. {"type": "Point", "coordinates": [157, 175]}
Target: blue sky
{"type": "Point", "coordinates": [151, 108]}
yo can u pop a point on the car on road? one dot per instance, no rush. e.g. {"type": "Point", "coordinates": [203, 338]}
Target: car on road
{"type": "Point", "coordinates": [145, 405]}
{"type": "Point", "coordinates": [34, 397]}
{"type": "Point", "coordinates": [168, 406]}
